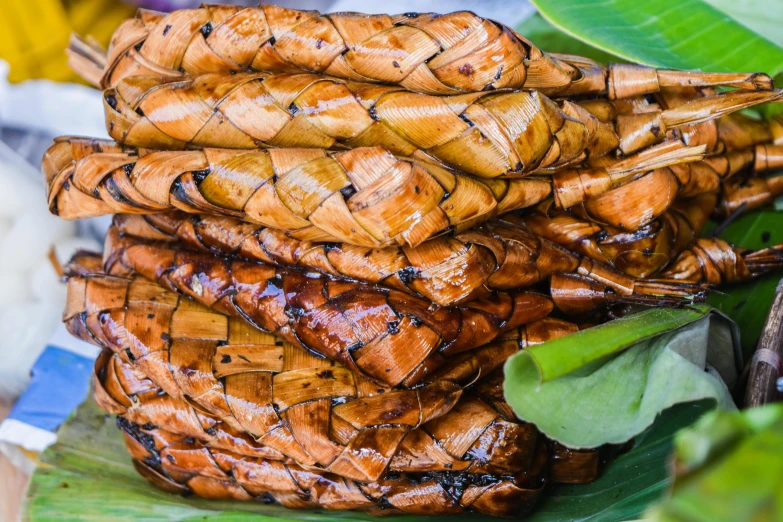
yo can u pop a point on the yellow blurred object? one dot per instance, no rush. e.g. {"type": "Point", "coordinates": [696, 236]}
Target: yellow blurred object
{"type": "Point", "coordinates": [34, 33]}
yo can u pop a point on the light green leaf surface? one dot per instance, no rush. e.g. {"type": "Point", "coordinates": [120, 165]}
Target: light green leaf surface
{"type": "Point", "coordinates": [553, 40]}
{"type": "Point", "coordinates": [609, 383]}
{"type": "Point", "coordinates": [682, 34]}
{"type": "Point", "coordinates": [87, 476]}
{"type": "Point", "coordinates": [729, 468]}
{"type": "Point", "coordinates": [764, 17]}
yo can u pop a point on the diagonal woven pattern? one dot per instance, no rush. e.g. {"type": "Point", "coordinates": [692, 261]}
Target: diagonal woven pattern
{"type": "Point", "coordinates": [640, 254]}
{"type": "Point", "coordinates": [484, 134]}
{"type": "Point", "coordinates": [391, 336]}
{"type": "Point", "coordinates": [716, 261]}
{"type": "Point", "coordinates": [364, 197]}
{"type": "Point", "coordinates": [439, 54]}
{"type": "Point", "coordinates": [446, 270]}
{"type": "Point", "coordinates": [468, 438]}
{"type": "Point", "coordinates": [182, 465]}
{"type": "Point", "coordinates": [497, 255]}
{"type": "Point", "coordinates": [298, 406]}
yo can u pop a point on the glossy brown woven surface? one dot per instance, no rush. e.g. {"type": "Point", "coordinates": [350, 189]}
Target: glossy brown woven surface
{"type": "Point", "coordinates": [182, 465]}
{"type": "Point", "coordinates": [440, 54]}
{"type": "Point", "coordinates": [485, 134]}
{"type": "Point", "coordinates": [388, 335]}
{"type": "Point", "coordinates": [298, 405]}
{"type": "Point", "coordinates": [364, 197]}
{"type": "Point", "coordinates": [498, 255]}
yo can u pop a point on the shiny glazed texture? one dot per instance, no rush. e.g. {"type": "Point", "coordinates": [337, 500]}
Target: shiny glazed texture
{"type": "Point", "coordinates": [390, 336]}
{"type": "Point", "coordinates": [439, 54]}
{"type": "Point", "coordinates": [296, 405]}
{"type": "Point", "coordinates": [484, 134]}
{"type": "Point", "coordinates": [182, 465]}
{"type": "Point", "coordinates": [498, 255]}
{"type": "Point", "coordinates": [364, 197]}
{"type": "Point", "coordinates": [225, 410]}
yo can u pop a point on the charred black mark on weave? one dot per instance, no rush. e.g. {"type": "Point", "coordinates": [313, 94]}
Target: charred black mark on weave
{"type": "Point", "coordinates": [112, 101]}
{"type": "Point", "coordinates": [348, 191]}
{"type": "Point", "coordinates": [150, 316]}
{"type": "Point", "coordinates": [166, 29]}
{"type": "Point", "coordinates": [129, 353]}
{"type": "Point", "coordinates": [267, 498]}
{"type": "Point", "coordinates": [374, 114]}
{"type": "Point", "coordinates": [416, 321]}
{"type": "Point", "coordinates": [293, 109]}
{"type": "Point", "coordinates": [306, 384]}
{"type": "Point", "coordinates": [464, 117]}
{"type": "Point", "coordinates": [416, 189]}
{"type": "Point", "coordinates": [138, 46]}
{"type": "Point", "coordinates": [226, 359]}
{"type": "Point", "coordinates": [655, 130]}
{"type": "Point", "coordinates": [128, 168]}
{"type": "Point", "coordinates": [408, 274]}
{"type": "Point", "coordinates": [393, 327]}
{"type": "Point", "coordinates": [601, 235]}
{"type": "Point", "coordinates": [326, 374]}
{"type": "Point", "coordinates": [200, 175]}
{"type": "Point", "coordinates": [396, 64]}
{"type": "Point", "coordinates": [206, 29]}
{"type": "Point", "coordinates": [355, 346]}
{"type": "Point", "coordinates": [294, 312]}
{"type": "Point", "coordinates": [146, 440]}
{"type": "Point", "coordinates": [319, 43]}
{"type": "Point", "coordinates": [500, 71]}
{"type": "Point", "coordinates": [242, 357]}
{"type": "Point", "coordinates": [165, 337]}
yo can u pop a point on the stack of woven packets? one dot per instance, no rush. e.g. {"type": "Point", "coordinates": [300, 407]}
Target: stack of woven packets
{"type": "Point", "coordinates": [331, 231]}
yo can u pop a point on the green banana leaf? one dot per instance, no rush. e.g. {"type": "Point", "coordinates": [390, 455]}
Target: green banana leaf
{"type": "Point", "coordinates": [606, 384]}
{"type": "Point", "coordinates": [762, 16]}
{"type": "Point", "coordinates": [87, 475]}
{"type": "Point", "coordinates": [729, 467]}
{"type": "Point", "coordinates": [552, 40]}
{"type": "Point", "coordinates": [682, 34]}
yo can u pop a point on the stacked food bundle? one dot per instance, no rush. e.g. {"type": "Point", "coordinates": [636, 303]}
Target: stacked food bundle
{"type": "Point", "coordinates": [332, 230]}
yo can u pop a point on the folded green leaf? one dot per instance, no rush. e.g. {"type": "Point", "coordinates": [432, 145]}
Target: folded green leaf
{"type": "Point", "coordinates": [609, 383]}
{"type": "Point", "coordinates": [729, 468]}
{"type": "Point", "coordinates": [682, 34]}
